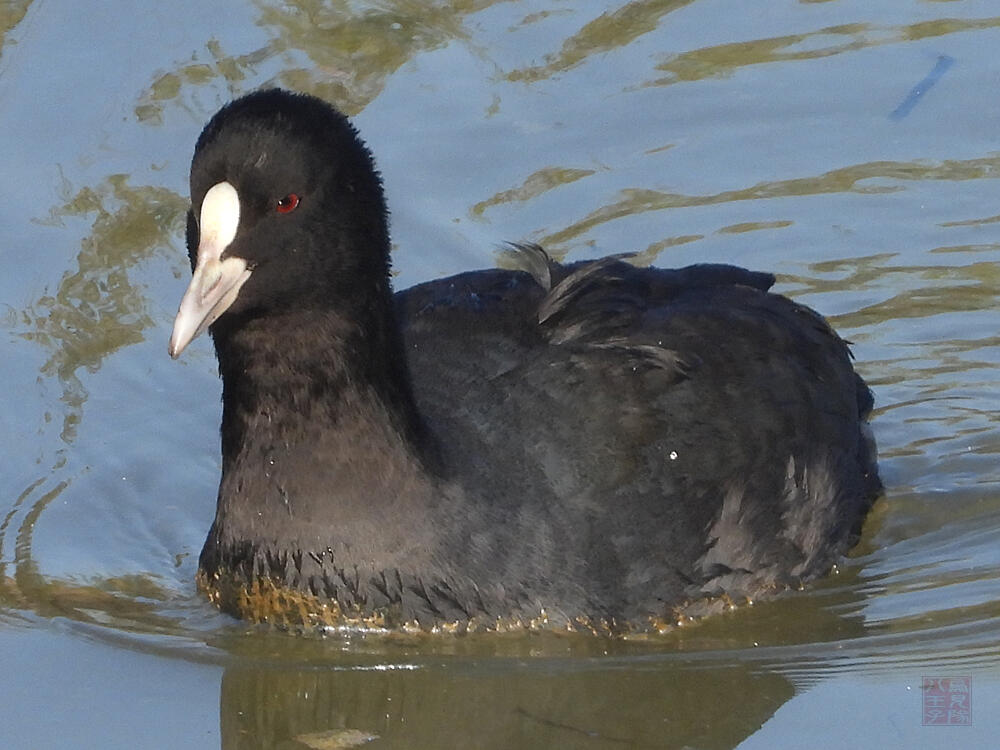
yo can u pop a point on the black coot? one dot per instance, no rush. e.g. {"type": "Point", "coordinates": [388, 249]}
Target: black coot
{"type": "Point", "coordinates": [592, 446]}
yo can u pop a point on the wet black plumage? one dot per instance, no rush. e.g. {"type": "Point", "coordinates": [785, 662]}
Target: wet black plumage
{"type": "Point", "coordinates": [594, 445]}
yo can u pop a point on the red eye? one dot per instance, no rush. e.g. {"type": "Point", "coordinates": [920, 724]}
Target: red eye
{"type": "Point", "coordinates": [287, 204]}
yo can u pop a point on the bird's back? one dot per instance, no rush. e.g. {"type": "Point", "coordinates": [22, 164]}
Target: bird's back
{"type": "Point", "coordinates": [628, 438]}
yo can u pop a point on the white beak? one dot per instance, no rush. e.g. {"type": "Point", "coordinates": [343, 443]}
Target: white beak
{"type": "Point", "coordinates": [216, 282]}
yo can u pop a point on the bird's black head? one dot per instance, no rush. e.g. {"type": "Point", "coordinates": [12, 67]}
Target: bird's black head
{"type": "Point", "coordinates": [287, 211]}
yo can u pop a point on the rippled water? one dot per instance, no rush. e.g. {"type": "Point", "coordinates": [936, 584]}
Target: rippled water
{"type": "Point", "coordinates": [851, 147]}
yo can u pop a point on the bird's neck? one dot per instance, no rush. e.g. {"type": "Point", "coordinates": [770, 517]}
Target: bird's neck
{"type": "Point", "coordinates": [294, 378]}
{"type": "Point", "coordinates": [319, 366]}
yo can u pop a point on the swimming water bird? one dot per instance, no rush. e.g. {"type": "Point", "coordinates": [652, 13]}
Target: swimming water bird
{"type": "Point", "coordinates": [590, 446]}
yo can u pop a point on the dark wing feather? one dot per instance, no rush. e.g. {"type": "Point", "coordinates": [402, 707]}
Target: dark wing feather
{"type": "Point", "coordinates": [663, 422]}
